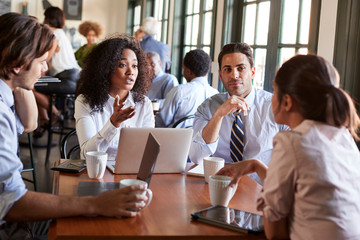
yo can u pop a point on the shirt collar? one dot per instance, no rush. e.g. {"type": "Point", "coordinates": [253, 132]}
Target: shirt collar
{"type": "Point", "coordinates": [6, 94]}
{"type": "Point", "coordinates": [128, 101]}
{"type": "Point", "coordinates": [202, 80]}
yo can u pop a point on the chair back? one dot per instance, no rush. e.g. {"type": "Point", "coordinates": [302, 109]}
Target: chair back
{"type": "Point", "coordinates": [69, 148]}
{"type": "Point", "coordinates": [185, 122]}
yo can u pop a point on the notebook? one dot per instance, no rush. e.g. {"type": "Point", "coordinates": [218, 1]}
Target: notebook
{"type": "Point", "coordinates": [172, 158]}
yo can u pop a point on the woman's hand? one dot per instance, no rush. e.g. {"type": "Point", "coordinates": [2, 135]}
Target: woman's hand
{"type": "Point", "coordinates": [120, 114]}
{"type": "Point", "coordinates": [236, 170]}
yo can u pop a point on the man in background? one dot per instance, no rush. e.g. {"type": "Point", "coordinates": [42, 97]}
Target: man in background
{"type": "Point", "coordinates": [162, 82]}
{"type": "Point", "coordinates": [146, 33]}
{"type": "Point", "coordinates": [184, 99]}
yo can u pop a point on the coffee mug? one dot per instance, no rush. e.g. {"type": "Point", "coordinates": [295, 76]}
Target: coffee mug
{"type": "Point", "coordinates": [211, 166]}
{"type": "Point", "coordinates": [156, 105]}
{"type": "Point", "coordinates": [129, 182]}
{"type": "Point", "coordinates": [220, 191]}
{"type": "Point", "coordinates": [96, 164]}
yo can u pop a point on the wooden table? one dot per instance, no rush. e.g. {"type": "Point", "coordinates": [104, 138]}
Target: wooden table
{"type": "Point", "coordinates": [175, 197]}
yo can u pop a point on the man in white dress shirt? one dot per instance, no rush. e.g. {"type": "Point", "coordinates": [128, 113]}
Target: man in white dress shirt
{"type": "Point", "coordinates": [184, 99]}
{"type": "Point", "coordinates": [161, 82]}
{"type": "Point", "coordinates": [214, 118]}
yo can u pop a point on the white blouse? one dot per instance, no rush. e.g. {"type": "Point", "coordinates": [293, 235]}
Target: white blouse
{"type": "Point", "coordinates": [95, 131]}
{"type": "Point", "coordinates": [313, 181]}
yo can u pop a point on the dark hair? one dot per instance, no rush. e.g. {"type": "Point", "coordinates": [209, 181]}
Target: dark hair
{"type": "Point", "coordinates": [102, 61]}
{"type": "Point", "coordinates": [243, 48]}
{"type": "Point", "coordinates": [307, 79]}
{"type": "Point", "coordinates": [198, 62]}
{"type": "Point", "coordinates": [87, 26]}
{"type": "Point", "coordinates": [54, 17]}
{"type": "Point", "coordinates": [22, 39]}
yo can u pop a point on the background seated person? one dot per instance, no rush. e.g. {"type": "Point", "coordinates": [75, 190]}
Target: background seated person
{"type": "Point", "coordinates": [161, 82]}
{"type": "Point", "coordinates": [24, 44]}
{"type": "Point", "coordinates": [92, 31]}
{"type": "Point", "coordinates": [215, 118]}
{"type": "Point", "coordinates": [184, 99]}
{"type": "Point", "coordinates": [311, 188]}
{"type": "Point", "coordinates": [149, 28]}
{"type": "Point", "coordinates": [111, 94]}
{"type": "Point", "coordinates": [62, 65]}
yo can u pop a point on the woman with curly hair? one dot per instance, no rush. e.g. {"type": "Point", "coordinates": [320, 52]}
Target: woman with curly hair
{"type": "Point", "coordinates": [111, 94]}
{"type": "Point", "coordinates": [92, 31]}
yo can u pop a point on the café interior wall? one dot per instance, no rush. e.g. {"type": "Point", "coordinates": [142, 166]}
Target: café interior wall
{"type": "Point", "coordinates": [110, 13]}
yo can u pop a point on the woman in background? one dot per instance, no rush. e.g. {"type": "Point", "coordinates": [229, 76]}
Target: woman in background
{"type": "Point", "coordinates": [311, 188]}
{"type": "Point", "coordinates": [111, 94]}
{"type": "Point", "coordinates": [92, 31]}
{"type": "Point", "coordinates": [62, 65]}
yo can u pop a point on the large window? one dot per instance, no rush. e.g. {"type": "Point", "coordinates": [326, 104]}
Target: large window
{"type": "Point", "coordinates": [276, 30]}
{"type": "Point", "coordinates": [138, 9]}
{"type": "Point", "coordinates": [195, 20]}
{"type": "Point", "coordinates": [161, 13]}
{"type": "Point", "coordinates": [134, 16]}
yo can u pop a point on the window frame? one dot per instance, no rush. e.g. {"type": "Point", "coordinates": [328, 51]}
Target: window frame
{"type": "Point", "coordinates": [274, 32]}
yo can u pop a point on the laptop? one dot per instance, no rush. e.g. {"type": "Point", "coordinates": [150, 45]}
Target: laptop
{"type": "Point", "coordinates": [172, 158]}
{"type": "Point", "coordinates": [148, 161]}
{"type": "Point", "coordinates": [145, 171]}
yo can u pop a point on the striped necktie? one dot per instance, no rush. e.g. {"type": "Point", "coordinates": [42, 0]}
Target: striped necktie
{"type": "Point", "coordinates": [237, 139]}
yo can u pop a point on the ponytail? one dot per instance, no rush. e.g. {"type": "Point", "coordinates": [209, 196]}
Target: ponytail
{"type": "Point", "coordinates": [313, 83]}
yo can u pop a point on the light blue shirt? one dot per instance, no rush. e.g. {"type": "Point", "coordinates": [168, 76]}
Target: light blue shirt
{"type": "Point", "coordinates": [259, 125]}
{"type": "Point", "coordinates": [182, 101]}
{"type": "Point", "coordinates": [160, 86]}
{"type": "Point", "coordinates": [12, 187]}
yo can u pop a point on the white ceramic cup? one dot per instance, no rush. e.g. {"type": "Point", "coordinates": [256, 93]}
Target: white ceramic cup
{"type": "Point", "coordinates": [156, 105]}
{"type": "Point", "coordinates": [211, 166]}
{"type": "Point", "coordinates": [96, 164]}
{"type": "Point", "coordinates": [220, 191]}
{"type": "Point", "coordinates": [129, 182]}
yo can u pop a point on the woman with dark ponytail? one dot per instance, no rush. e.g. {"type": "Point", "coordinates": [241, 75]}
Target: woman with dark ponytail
{"type": "Point", "coordinates": [311, 188]}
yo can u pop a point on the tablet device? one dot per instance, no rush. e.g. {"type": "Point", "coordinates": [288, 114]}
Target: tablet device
{"type": "Point", "coordinates": [71, 166]}
{"type": "Point", "coordinates": [230, 218]}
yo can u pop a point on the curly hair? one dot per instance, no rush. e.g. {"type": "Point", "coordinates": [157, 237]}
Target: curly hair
{"type": "Point", "coordinates": [102, 62]}
{"type": "Point", "coordinates": [198, 62]}
{"type": "Point", "coordinates": [87, 26]}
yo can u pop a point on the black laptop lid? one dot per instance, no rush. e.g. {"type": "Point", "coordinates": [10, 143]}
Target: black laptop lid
{"type": "Point", "coordinates": [148, 161]}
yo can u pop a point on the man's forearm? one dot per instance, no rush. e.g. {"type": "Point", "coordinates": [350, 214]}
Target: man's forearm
{"type": "Point", "coordinates": [211, 131]}
{"type": "Point", "coordinates": [52, 206]}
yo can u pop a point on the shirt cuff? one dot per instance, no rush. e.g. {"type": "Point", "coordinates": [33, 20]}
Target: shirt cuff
{"type": "Point", "coordinates": [268, 212]}
{"type": "Point", "coordinates": [108, 132]}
